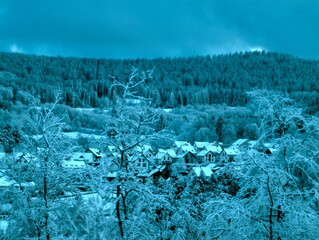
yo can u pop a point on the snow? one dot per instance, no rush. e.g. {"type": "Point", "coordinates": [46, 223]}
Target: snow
{"type": "Point", "coordinates": [232, 151]}
{"type": "Point", "coordinates": [4, 225]}
{"type": "Point", "coordinates": [73, 164]}
{"type": "Point", "coordinates": [239, 142]}
{"type": "Point", "coordinates": [95, 151]}
{"type": "Point", "coordinates": [75, 135]}
{"type": "Point", "coordinates": [201, 145]}
{"type": "Point", "coordinates": [178, 144]}
{"type": "Point", "coordinates": [187, 148]}
{"type": "Point", "coordinates": [214, 148]}
{"type": "Point", "coordinates": [202, 171]}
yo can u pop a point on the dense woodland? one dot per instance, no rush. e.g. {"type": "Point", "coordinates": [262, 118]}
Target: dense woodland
{"type": "Point", "coordinates": [255, 196]}
{"type": "Point", "coordinates": [178, 81]}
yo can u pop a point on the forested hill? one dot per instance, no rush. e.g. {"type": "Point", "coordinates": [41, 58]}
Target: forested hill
{"type": "Point", "coordinates": [178, 81]}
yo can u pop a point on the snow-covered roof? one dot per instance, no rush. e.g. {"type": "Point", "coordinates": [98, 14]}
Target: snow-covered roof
{"type": "Point", "coordinates": [232, 151]}
{"type": "Point", "coordinates": [252, 143]}
{"type": "Point", "coordinates": [214, 148]}
{"type": "Point", "coordinates": [178, 144]}
{"type": "Point", "coordinates": [158, 168]}
{"type": "Point", "coordinates": [80, 156]}
{"type": "Point", "coordinates": [213, 166]}
{"type": "Point", "coordinates": [188, 148]}
{"type": "Point", "coordinates": [137, 156]}
{"type": "Point", "coordinates": [73, 163]}
{"type": "Point", "coordinates": [144, 149]}
{"type": "Point", "coordinates": [202, 171]}
{"type": "Point", "coordinates": [5, 181]}
{"type": "Point", "coordinates": [200, 145]}
{"type": "Point", "coordinates": [112, 174]}
{"type": "Point", "coordinates": [239, 142]}
{"type": "Point", "coordinates": [26, 156]}
{"type": "Point", "coordinates": [95, 151]}
{"type": "Point", "coordinates": [161, 153]}
{"type": "Point", "coordinates": [112, 148]}
{"type": "Point", "coordinates": [202, 153]}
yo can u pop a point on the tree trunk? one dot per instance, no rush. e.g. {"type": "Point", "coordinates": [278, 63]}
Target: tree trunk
{"type": "Point", "coordinates": [118, 211]}
{"type": "Point", "coordinates": [271, 234]}
{"type": "Point", "coordinates": [46, 210]}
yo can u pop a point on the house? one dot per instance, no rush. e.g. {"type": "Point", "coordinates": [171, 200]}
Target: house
{"type": "Point", "coordinates": [205, 172]}
{"type": "Point", "coordinates": [4, 160]}
{"type": "Point", "coordinates": [177, 144]}
{"type": "Point", "coordinates": [97, 154]}
{"type": "Point", "coordinates": [7, 182]}
{"type": "Point", "coordinates": [165, 156]}
{"type": "Point", "coordinates": [185, 149]}
{"type": "Point", "coordinates": [240, 143]}
{"type": "Point", "coordinates": [199, 146]}
{"type": "Point", "coordinates": [156, 174]}
{"type": "Point", "coordinates": [268, 149]}
{"type": "Point", "coordinates": [188, 158]}
{"type": "Point", "coordinates": [112, 151]}
{"type": "Point", "coordinates": [216, 149]}
{"type": "Point", "coordinates": [110, 176]}
{"type": "Point", "coordinates": [80, 156]}
{"type": "Point", "coordinates": [232, 152]}
{"type": "Point", "coordinates": [205, 156]}
{"type": "Point", "coordinates": [25, 158]}
{"type": "Point", "coordinates": [139, 162]}
{"type": "Point", "coordinates": [146, 150]}
{"type": "Point", "coordinates": [73, 164]}
{"type": "Point", "coordinates": [213, 166]}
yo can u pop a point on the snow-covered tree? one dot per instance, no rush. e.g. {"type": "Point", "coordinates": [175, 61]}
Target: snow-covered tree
{"type": "Point", "coordinates": [40, 181]}
{"type": "Point", "coordinates": [278, 196]}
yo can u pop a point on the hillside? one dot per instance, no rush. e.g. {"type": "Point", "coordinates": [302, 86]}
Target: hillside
{"type": "Point", "coordinates": [178, 81]}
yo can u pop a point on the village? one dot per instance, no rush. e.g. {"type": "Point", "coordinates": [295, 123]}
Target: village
{"type": "Point", "coordinates": [201, 159]}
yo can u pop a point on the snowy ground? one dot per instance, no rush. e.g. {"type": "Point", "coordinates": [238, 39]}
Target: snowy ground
{"type": "Point", "coordinates": [74, 135]}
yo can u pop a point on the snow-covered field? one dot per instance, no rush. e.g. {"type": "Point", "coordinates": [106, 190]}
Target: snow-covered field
{"type": "Point", "coordinates": [74, 135]}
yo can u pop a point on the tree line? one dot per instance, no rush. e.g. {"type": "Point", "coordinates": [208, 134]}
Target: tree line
{"type": "Point", "coordinates": [218, 79]}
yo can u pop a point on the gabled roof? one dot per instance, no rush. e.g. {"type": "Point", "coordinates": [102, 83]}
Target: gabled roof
{"type": "Point", "coordinates": [80, 156]}
{"type": "Point", "coordinates": [213, 166]}
{"type": "Point", "coordinates": [26, 156]}
{"type": "Point", "coordinates": [112, 174]}
{"type": "Point", "coordinates": [252, 143]}
{"type": "Point", "coordinates": [240, 142]}
{"type": "Point", "coordinates": [202, 171]}
{"type": "Point", "coordinates": [200, 145]}
{"type": "Point", "coordinates": [162, 152]}
{"type": "Point", "coordinates": [73, 163]}
{"type": "Point", "coordinates": [137, 156]}
{"type": "Point", "coordinates": [232, 151]}
{"type": "Point", "coordinates": [203, 153]}
{"type": "Point", "coordinates": [95, 151]}
{"type": "Point", "coordinates": [182, 155]}
{"type": "Point", "coordinates": [188, 148]}
{"type": "Point", "coordinates": [159, 168]}
{"type": "Point", "coordinates": [216, 149]}
{"type": "Point", "coordinates": [178, 144]}
{"type": "Point", "coordinates": [6, 181]}
{"type": "Point", "coordinates": [144, 149]}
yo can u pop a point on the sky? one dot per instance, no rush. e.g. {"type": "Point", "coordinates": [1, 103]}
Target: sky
{"type": "Point", "coordinates": [158, 28]}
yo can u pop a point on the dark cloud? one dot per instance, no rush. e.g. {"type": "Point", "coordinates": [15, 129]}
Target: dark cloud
{"type": "Point", "coordinates": [158, 28]}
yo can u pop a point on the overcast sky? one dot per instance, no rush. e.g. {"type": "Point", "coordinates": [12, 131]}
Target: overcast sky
{"type": "Point", "coordinates": [158, 28]}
